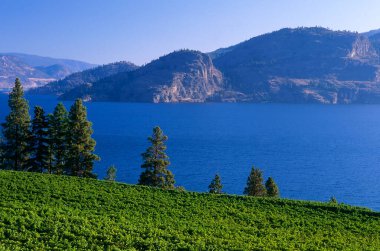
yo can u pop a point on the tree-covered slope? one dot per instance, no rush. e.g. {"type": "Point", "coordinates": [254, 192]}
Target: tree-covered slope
{"type": "Point", "coordinates": [303, 65]}
{"type": "Point", "coordinates": [84, 78]}
{"type": "Point", "coordinates": [40, 212]}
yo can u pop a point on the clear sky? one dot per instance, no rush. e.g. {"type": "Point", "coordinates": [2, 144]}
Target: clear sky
{"type": "Point", "coordinates": [104, 31]}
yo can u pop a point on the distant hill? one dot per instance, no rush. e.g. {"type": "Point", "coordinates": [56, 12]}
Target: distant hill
{"type": "Point", "coordinates": [371, 32]}
{"type": "Point", "coordinates": [181, 76]}
{"type": "Point", "coordinates": [35, 70]}
{"type": "Point", "coordinates": [55, 212]}
{"type": "Point", "coordinates": [87, 77]}
{"type": "Point", "coordinates": [302, 65]}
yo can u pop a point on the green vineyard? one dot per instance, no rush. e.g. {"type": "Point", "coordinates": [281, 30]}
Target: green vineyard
{"type": "Point", "coordinates": [45, 212]}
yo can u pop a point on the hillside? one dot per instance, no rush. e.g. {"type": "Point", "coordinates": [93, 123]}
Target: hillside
{"type": "Point", "coordinates": [11, 67]}
{"type": "Point", "coordinates": [40, 212]}
{"type": "Point", "coordinates": [181, 76]}
{"type": "Point", "coordinates": [303, 65]}
{"type": "Point", "coordinates": [86, 77]}
{"type": "Point", "coordinates": [34, 70]}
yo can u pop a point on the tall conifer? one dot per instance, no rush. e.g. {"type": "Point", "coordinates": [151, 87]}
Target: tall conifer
{"type": "Point", "coordinates": [156, 163]}
{"type": "Point", "coordinates": [80, 154]}
{"type": "Point", "coordinates": [215, 185]}
{"type": "Point", "coordinates": [111, 173]}
{"type": "Point", "coordinates": [272, 188]}
{"type": "Point", "coordinates": [16, 130]}
{"type": "Point", "coordinates": [255, 185]}
{"type": "Point", "coordinates": [58, 133]}
{"type": "Point", "coordinates": [2, 148]}
{"type": "Point", "coordinates": [39, 145]}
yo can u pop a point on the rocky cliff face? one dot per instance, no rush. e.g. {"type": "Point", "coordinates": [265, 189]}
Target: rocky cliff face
{"type": "Point", "coordinates": [363, 49]}
{"type": "Point", "coordinates": [182, 76]}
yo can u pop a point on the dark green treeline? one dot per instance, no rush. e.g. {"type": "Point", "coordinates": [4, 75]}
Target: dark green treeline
{"type": "Point", "coordinates": [58, 143]}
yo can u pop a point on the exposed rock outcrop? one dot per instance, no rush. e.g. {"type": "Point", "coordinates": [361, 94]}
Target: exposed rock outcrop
{"type": "Point", "coordinates": [182, 76]}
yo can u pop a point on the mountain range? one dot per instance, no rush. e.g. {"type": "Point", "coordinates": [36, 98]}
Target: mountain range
{"type": "Point", "coordinates": [35, 71]}
{"type": "Point", "coordinates": [301, 65]}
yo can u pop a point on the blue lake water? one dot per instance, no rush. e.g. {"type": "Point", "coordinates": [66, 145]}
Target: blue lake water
{"type": "Point", "coordinates": [312, 151]}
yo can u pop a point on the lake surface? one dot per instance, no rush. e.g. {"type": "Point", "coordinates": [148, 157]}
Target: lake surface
{"type": "Point", "coordinates": [312, 151]}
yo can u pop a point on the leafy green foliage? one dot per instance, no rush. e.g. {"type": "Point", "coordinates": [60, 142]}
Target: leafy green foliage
{"type": "Point", "coordinates": [156, 163]}
{"type": "Point", "coordinates": [50, 212]}
{"type": "Point", "coordinates": [255, 185]}
{"type": "Point", "coordinates": [16, 130]}
{"type": "Point", "coordinates": [216, 185]}
{"type": "Point", "coordinates": [272, 188]}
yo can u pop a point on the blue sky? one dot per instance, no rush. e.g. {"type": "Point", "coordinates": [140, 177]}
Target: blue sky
{"type": "Point", "coordinates": [104, 31]}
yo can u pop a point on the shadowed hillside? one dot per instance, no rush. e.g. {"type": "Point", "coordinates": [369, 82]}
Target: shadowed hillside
{"type": "Point", "coordinates": [87, 78]}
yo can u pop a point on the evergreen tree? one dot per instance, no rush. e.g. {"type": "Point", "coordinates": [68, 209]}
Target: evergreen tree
{"type": "Point", "coordinates": [39, 148]}
{"type": "Point", "coordinates": [156, 161]}
{"type": "Point", "coordinates": [80, 154]}
{"type": "Point", "coordinates": [111, 173]}
{"type": "Point", "coordinates": [272, 188]}
{"type": "Point", "coordinates": [58, 133]}
{"type": "Point", "coordinates": [216, 185]}
{"type": "Point", "coordinates": [2, 148]}
{"type": "Point", "coordinates": [255, 185]}
{"type": "Point", "coordinates": [333, 200]}
{"type": "Point", "coordinates": [16, 130]}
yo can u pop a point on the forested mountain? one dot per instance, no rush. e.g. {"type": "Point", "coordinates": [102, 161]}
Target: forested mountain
{"type": "Point", "coordinates": [181, 76]}
{"type": "Point", "coordinates": [302, 65]}
{"type": "Point", "coordinates": [35, 70]}
{"type": "Point", "coordinates": [86, 77]}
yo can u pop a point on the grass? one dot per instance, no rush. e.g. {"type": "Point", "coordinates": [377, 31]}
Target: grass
{"type": "Point", "coordinates": [40, 211]}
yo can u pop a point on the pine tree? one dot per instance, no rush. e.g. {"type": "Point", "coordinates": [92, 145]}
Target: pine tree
{"type": "Point", "coordinates": [333, 200]}
{"type": "Point", "coordinates": [58, 134]}
{"type": "Point", "coordinates": [272, 188]}
{"type": "Point", "coordinates": [16, 130]}
{"type": "Point", "coordinates": [39, 148]}
{"type": "Point", "coordinates": [80, 155]}
{"type": "Point", "coordinates": [111, 173]}
{"type": "Point", "coordinates": [2, 148]}
{"type": "Point", "coordinates": [156, 161]}
{"type": "Point", "coordinates": [255, 185]}
{"type": "Point", "coordinates": [216, 185]}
